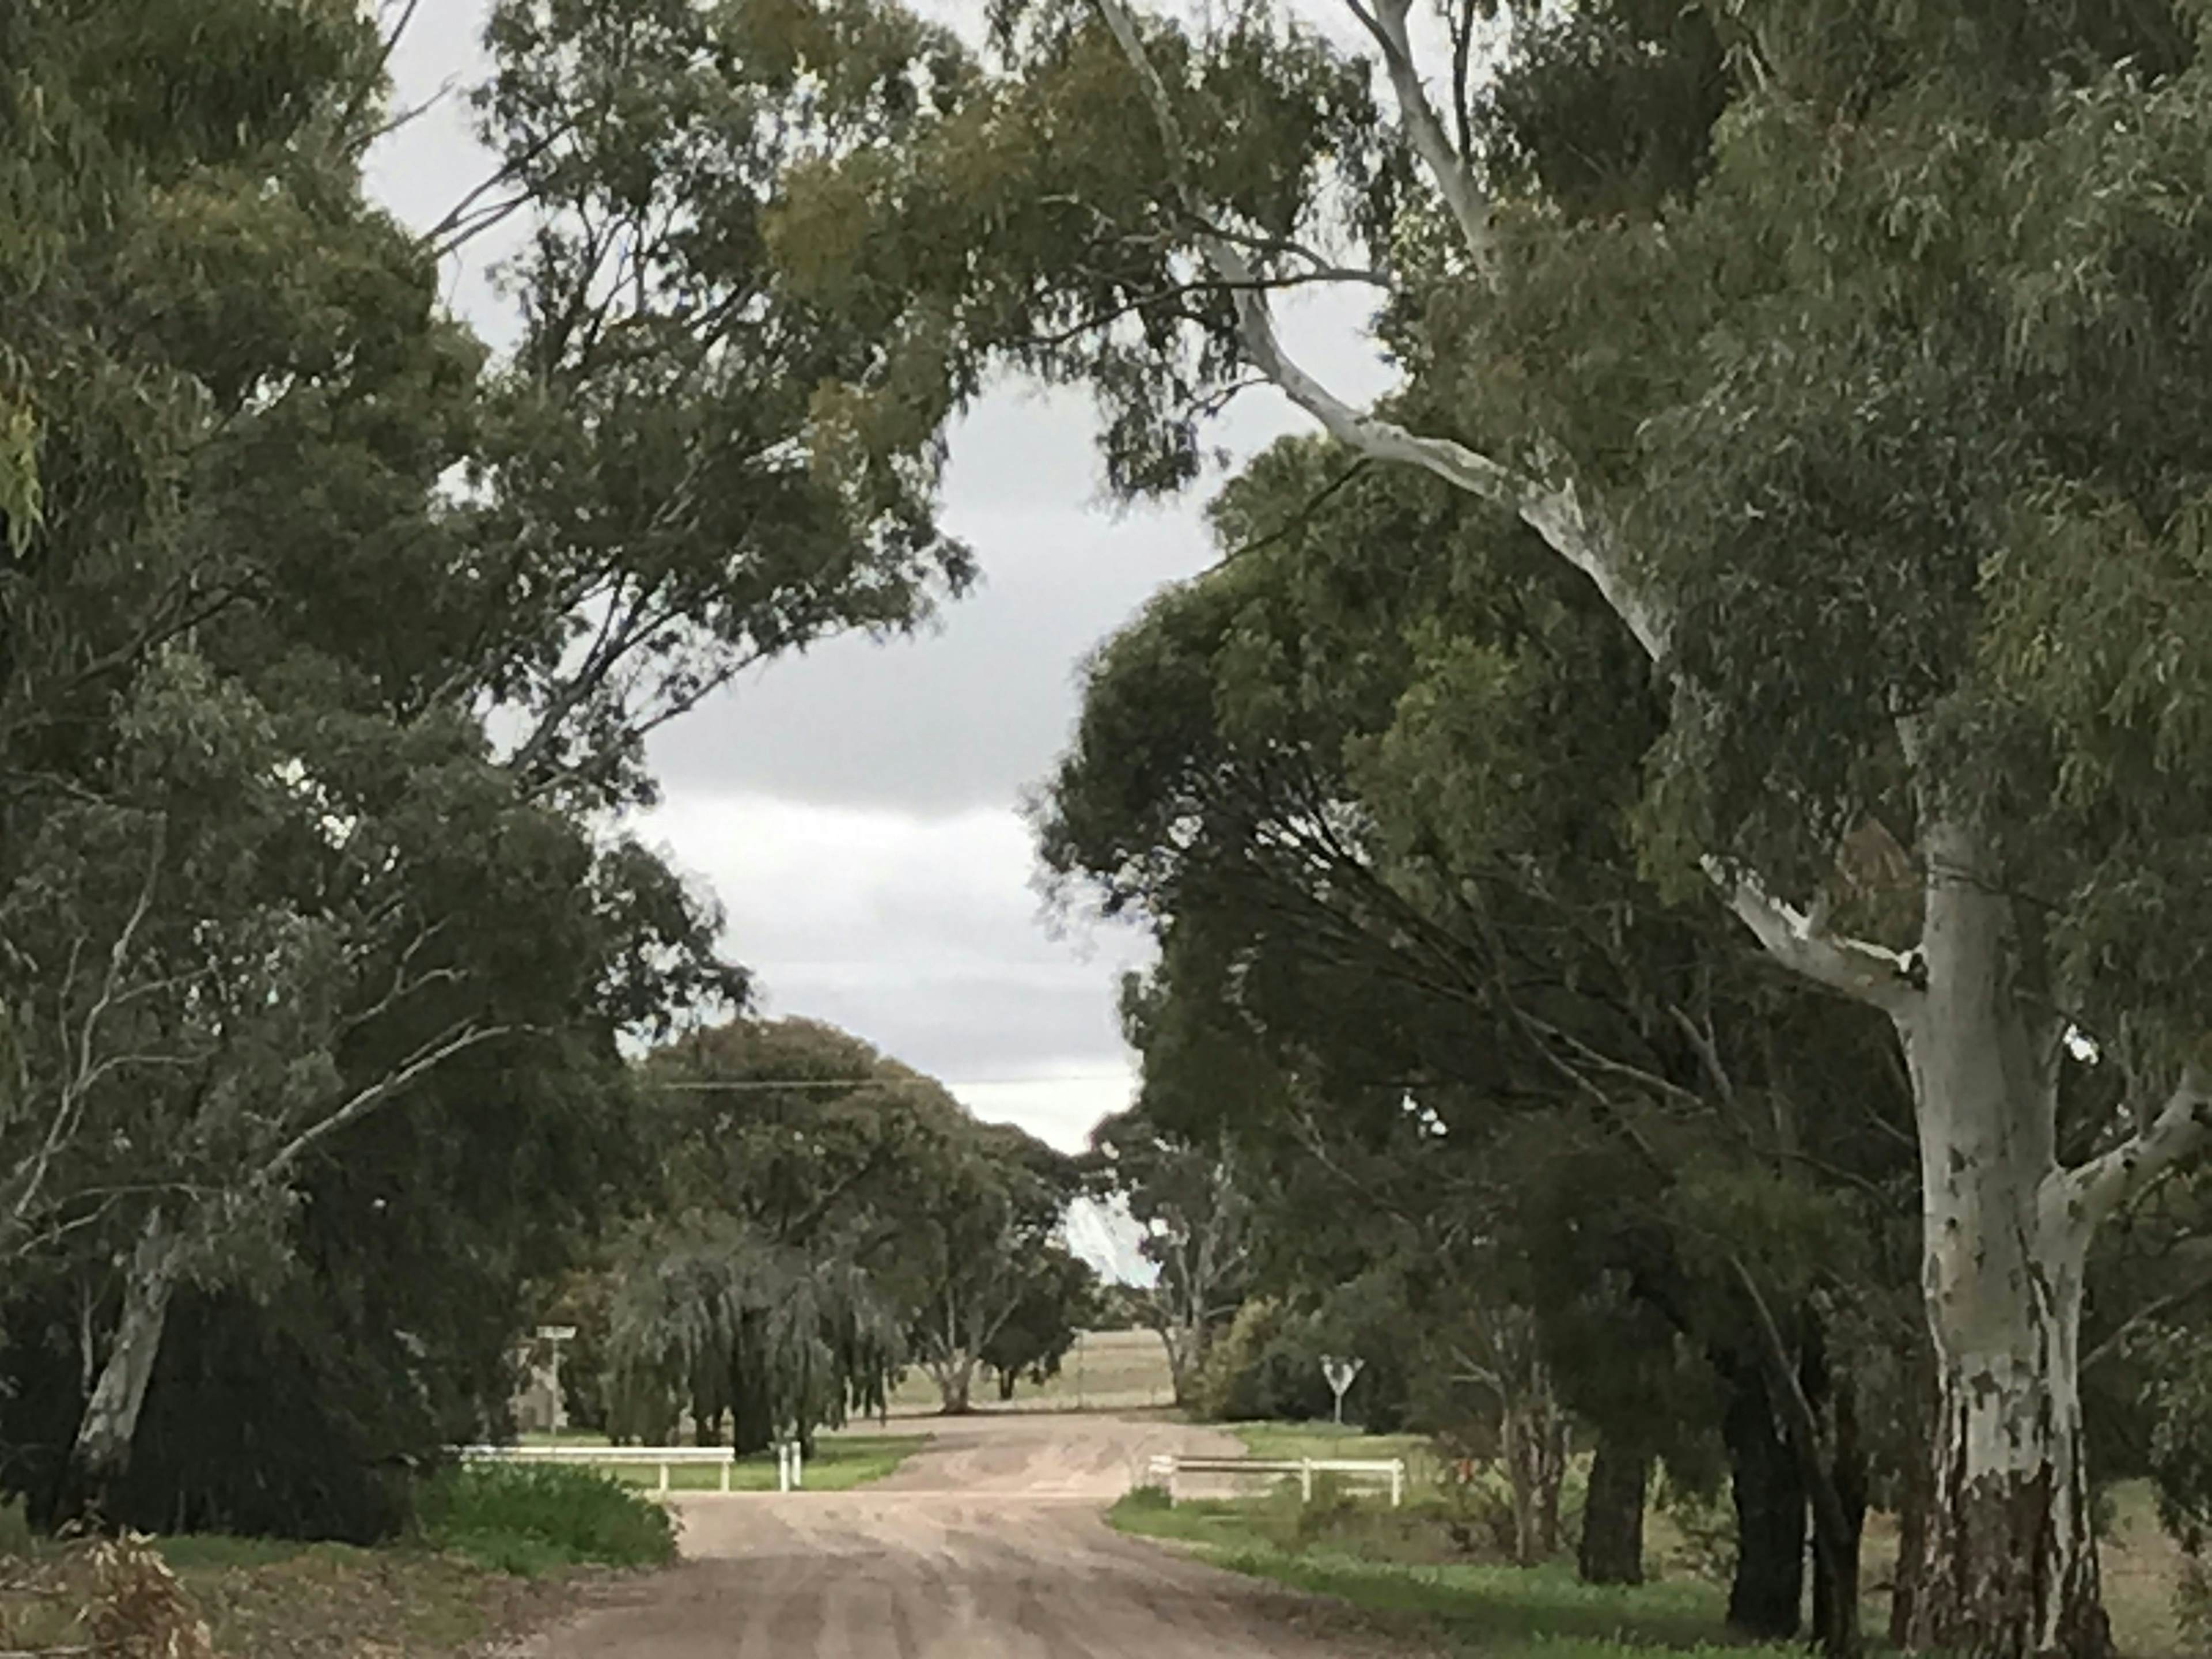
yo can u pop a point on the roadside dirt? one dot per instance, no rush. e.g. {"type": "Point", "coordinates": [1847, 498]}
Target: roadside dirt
{"type": "Point", "coordinates": [987, 1545]}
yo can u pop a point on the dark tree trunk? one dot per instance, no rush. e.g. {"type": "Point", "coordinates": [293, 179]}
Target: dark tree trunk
{"type": "Point", "coordinates": [1838, 1521]}
{"type": "Point", "coordinates": [752, 1412]}
{"type": "Point", "coordinates": [1613, 1516]}
{"type": "Point", "coordinates": [1007, 1381]}
{"type": "Point", "coordinates": [1767, 1598]}
{"type": "Point", "coordinates": [1911, 1543]}
{"type": "Point", "coordinates": [706, 1421]}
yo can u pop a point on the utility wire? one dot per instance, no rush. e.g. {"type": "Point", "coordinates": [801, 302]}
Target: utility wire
{"type": "Point", "coordinates": [743, 1085]}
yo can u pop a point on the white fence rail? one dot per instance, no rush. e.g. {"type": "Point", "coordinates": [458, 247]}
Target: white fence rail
{"type": "Point", "coordinates": [787, 1468]}
{"type": "Point", "coordinates": [1166, 1466]}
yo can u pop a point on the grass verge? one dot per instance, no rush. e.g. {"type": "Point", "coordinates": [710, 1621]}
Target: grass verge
{"type": "Point", "coordinates": [1465, 1608]}
{"type": "Point", "coordinates": [499, 1549]}
{"type": "Point", "coordinates": [1402, 1568]}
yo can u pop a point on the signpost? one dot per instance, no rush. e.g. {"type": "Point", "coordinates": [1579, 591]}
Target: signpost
{"type": "Point", "coordinates": [557, 1334]}
{"type": "Point", "coordinates": [1340, 1373]}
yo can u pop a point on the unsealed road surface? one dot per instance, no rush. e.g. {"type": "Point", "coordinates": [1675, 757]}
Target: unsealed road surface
{"type": "Point", "coordinates": [987, 1544]}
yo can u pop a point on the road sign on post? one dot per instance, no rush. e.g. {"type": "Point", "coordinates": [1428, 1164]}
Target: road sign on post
{"type": "Point", "coordinates": [1340, 1373]}
{"type": "Point", "coordinates": [554, 1335]}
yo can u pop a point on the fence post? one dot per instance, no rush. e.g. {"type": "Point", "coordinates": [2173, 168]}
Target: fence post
{"type": "Point", "coordinates": [1305, 1479]}
{"type": "Point", "coordinates": [664, 1474]}
{"type": "Point", "coordinates": [782, 1466]}
{"type": "Point", "coordinates": [798, 1466]}
{"type": "Point", "coordinates": [727, 1462]}
{"type": "Point", "coordinates": [1397, 1481]}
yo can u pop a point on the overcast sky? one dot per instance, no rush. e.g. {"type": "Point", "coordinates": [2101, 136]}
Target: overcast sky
{"type": "Point", "coordinates": [856, 808]}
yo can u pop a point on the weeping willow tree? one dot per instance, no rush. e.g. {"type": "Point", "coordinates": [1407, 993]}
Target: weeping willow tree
{"type": "Point", "coordinates": [712, 1320]}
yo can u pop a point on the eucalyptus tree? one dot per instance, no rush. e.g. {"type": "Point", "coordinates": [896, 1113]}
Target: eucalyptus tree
{"type": "Point", "coordinates": [988, 1201]}
{"type": "Point", "coordinates": [1343, 778]}
{"type": "Point", "coordinates": [1196, 1219]}
{"type": "Point", "coordinates": [824, 1216]}
{"type": "Point", "coordinates": [1849, 354]}
{"type": "Point", "coordinates": [265, 874]}
{"type": "Point", "coordinates": [1058, 1303]}
{"type": "Point", "coordinates": [762, 1285]}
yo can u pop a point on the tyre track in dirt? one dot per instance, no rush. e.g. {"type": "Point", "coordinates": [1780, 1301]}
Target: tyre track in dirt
{"type": "Point", "coordinates": [988, 1544]}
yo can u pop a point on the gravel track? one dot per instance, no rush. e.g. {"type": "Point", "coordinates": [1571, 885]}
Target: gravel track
{"type": "Point", "coordinates": [987, 1544]}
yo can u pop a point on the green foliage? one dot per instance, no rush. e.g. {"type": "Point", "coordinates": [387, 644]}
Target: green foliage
{"type": "Point", "coordinates": [1056, 1300]}
{"type": "Point", "coordinates": [1461, 1605]}
{"type": "Point", "coordinates": [530, 1518]}
{"type": "Point", "coordinates": [832, 1216]}
{"type": "Point", "coordinates": [1230, 1385]}
{"type": "Point", "coordinates": [308, 978]}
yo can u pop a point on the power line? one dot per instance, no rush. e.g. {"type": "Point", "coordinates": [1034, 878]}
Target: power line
{"type": "Point", "coordinates": [738, 1085]}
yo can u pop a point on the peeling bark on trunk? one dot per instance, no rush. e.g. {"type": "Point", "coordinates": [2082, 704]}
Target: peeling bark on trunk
{"type": "Point", "coordinates": [101, 1453]}
{"type": "Point", "coordinates": [2010, 1563]}
{"type": "Point", "coordinates": [1612, 1550]}
{"type": "Point", "coordinates": [2009, 1568]}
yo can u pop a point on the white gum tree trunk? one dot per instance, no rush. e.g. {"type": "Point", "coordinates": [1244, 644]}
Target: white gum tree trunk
{"type": "Point", "coordinates": [2010, 1563]}
{"type": "Point", "coordinates": [2011, 1568]}
{"type": "Point", "coordinates": [102, 1449]}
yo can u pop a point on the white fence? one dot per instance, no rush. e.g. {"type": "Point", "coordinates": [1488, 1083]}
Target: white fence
{"type": "Point", "coordinates": [789, 1472]}
{"type": "Point", "coordinates": [1165, 1466]}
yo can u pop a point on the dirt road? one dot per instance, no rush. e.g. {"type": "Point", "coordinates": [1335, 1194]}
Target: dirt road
{"type": "Point", "coordinates": [987, 1545]}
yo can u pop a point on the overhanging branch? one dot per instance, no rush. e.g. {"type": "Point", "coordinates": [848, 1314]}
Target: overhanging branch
{"type": "Point", "coordinates": [1866, 972]}
{"type": "Point", "coordinates": [1553, 510]}
{"type": "Point", "coordinates": [2088, 1194]}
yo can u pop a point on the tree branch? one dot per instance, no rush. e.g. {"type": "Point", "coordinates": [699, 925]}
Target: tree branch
{"type": "Point", "coordinates": [1863, 971]}
{"type": "Point", "coordinates": [77, 1085]}
{"type": "Point", "coordinates": [425, 1059]}
{"type": "Point", "coordinates": [1554, 512]}
{"type": "Point", "coordinates": [2087, 1195]}
{"type": "Point", "coordinates": [1454, 179]}
{"type": "Point", "coordinates": [2195, 1253]}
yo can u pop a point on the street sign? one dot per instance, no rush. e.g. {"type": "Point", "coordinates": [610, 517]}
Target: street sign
{"type": "Point", "coordinates": [1340, 1373]}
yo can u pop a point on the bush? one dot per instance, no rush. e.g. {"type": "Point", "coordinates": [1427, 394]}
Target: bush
{"type": "Point", "coordinates": [1266, 1365]}
{"type": "Point", "coordinates": [527, 1519]}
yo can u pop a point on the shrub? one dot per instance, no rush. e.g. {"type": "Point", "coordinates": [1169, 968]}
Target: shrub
{"type": "Point", "coordinates": [526, 1518]}
{"type": "Point", "coordinates": [1266, 1365]}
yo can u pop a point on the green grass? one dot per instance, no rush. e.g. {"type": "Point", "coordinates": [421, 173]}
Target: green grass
{"type": "Point", "coordinates": [528, 1519]}
{"type": "Point", "coordinates": [1495, 1612]}
{"type": "Point", "coordinates": [1401, 1567]}
{"type": "Point", "coordinates": [1274, 1439]}
{"type": "Point", "coordinates": [839, 1463]}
